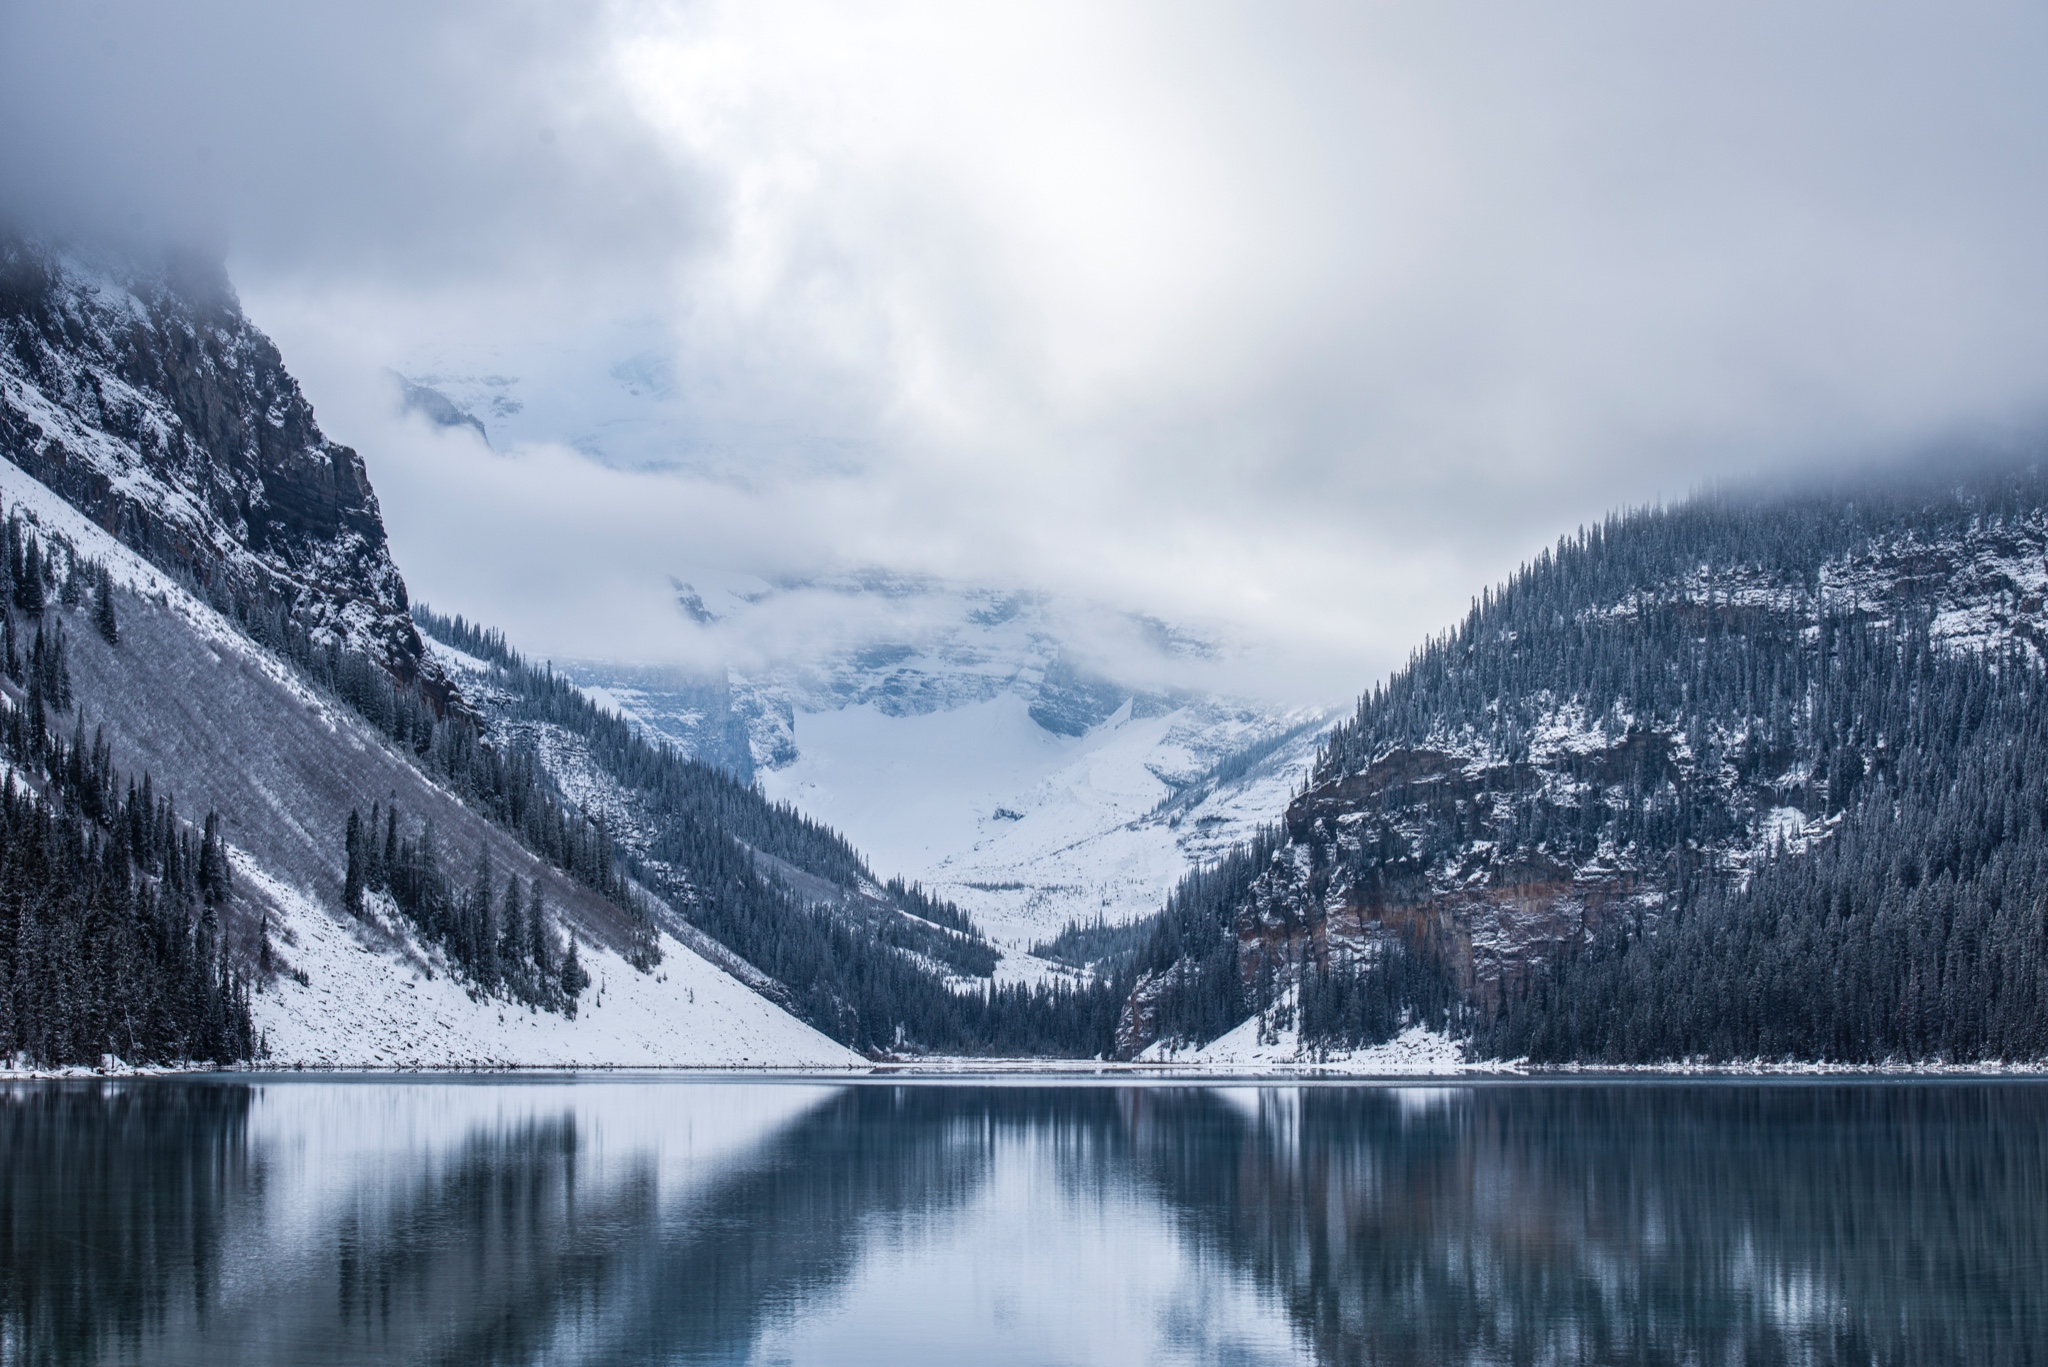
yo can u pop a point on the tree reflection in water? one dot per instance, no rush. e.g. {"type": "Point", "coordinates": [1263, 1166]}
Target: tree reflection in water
{"type": "Point", "coordinates": [1514, 1223]}
{"type": "Point", "coordinates": [113, 1203]}
{"type": "Point", "coordinates": [1636, 1223]}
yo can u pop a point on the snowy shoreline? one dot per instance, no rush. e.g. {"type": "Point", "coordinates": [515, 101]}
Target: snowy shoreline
{"type": "Point", "coordinates": [967, 1070]}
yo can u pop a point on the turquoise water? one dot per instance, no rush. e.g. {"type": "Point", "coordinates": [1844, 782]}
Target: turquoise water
{"type": "Point", "coordinates": [633, 1220]}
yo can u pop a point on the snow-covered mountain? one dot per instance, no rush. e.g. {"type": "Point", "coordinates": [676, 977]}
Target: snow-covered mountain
{"type": "Point", "coordinates": [250, 651]}
{"type": "Point", "coordinates": [1036, 761]}
{"type": "Point", "coordinates": [138, 392]}
{"type": "Point", "coordinates": [1032, 761]}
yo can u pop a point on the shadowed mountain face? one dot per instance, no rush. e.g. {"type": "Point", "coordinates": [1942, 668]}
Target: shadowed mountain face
{"type": "Point", "coordinates": [140, 393]}
{"type": "Point", "coordinates": [722, 1222]}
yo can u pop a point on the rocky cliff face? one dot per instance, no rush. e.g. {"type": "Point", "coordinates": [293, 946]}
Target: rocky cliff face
{"type": "Point", "coordinates": [139, 392]}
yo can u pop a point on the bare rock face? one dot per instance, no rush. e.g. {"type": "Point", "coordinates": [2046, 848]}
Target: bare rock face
{"type": "Point", "coordinates": [1417, 847]}
{"type": "Point", "coordinates": [139, 392]}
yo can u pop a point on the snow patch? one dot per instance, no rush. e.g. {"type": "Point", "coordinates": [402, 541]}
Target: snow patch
{"type": "Point", "coordinates": [365, 1007]}
{"type": "Point", "coordinates": [1257, 1047]}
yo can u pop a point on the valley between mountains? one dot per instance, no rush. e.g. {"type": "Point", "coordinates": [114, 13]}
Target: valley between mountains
{"type": "Point", "coordinates": [1755, 778]}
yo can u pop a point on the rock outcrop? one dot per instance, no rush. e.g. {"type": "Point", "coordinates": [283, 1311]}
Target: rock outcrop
{"type": "Point", "coordinates": [138, 391]}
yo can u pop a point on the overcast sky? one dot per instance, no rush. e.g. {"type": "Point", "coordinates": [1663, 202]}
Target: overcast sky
{"type": "Point", "coordinates": [1308, 321]}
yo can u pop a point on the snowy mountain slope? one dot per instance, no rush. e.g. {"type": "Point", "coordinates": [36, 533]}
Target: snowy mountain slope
{"type": "Point", "coordinates": [1028, 830]}
{"type": "Point", "coordinates": [960, 737]}
{"type": "Point", "coordinates": [888, 705]}
{"type": "Point", "coordinates": [226, 725]}
{"type": "Point", "coordinates": [393, 1012]}
{"type": "Point", "coordinates": [138, 392]}
{"type": "Point", "coordinates": [680, 820]}
{"type": "Point", "coordinates": [154, 431]}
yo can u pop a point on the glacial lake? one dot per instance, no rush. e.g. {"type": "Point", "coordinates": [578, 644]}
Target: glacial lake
{"type": "Point", "coordinates": [625, 1220]}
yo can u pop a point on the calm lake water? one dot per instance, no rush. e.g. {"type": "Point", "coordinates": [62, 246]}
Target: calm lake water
{"type": "Point", "coordinates": [688, 1221]}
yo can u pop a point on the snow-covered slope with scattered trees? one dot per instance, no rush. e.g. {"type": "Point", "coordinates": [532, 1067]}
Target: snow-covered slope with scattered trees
{"type": "Point", "coordinates": [880, 964]}
{"type": "Point", "coordinates": [208, 714]}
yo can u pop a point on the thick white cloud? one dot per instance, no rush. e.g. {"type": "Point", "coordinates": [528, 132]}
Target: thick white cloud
{"type": "Point", "coordinates": [1310, 320]}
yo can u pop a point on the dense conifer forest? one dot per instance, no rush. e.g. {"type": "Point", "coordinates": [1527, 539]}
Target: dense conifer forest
{"type": "Point", "coordinates": [1917, 929]}
{"type": "Point", "coordinates": [1794, 746]}
{"type": "Point", "coordinates": [111, 936]}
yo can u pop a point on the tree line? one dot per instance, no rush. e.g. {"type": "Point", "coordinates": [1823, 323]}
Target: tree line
{"type": "Point", "coordinates": [504, 942]}
{"type": "Point", "coordinates": [111, 934]}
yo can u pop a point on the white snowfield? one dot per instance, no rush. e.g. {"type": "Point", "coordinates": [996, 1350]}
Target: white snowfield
{"type": "Point", "coordinates": [1024, 829]}
{"type": "Point", "coordinates": [927, 722]}
{"type": "Point", "coordinates": [366, 1009]}
{"type": "Point", "coordinates": [1252, 1048]}
{"type": "Point", "coordinates": [376, 998]}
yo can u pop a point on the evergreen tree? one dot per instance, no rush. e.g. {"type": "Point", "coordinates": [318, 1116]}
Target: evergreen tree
{"type": "Point", "coordinates": [483, 931]}
{"type": "Point", "coordinates": [103, 619]}
{"type": "Point", "coordinates": [28, 575]}
{"type": "Point", "coordinates": [574, 979]}
{"type": "Point", "coordinates": [216, 875]}
{"type": "Point", "coordinates": [353, 880]}
{"type": "Point", "coordinates": [541, 949]}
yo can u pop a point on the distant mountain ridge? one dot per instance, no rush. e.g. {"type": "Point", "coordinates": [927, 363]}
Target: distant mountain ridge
{"type": "Point", "coordinates": [877, 963]}
{"type": "Point", "coordinates": [1029, 758]}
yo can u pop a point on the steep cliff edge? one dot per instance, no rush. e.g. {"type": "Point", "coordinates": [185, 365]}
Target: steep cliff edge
{"type": "Point", "coordinates": [138, 392]}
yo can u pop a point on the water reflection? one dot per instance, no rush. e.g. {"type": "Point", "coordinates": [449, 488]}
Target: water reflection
{"type": "Point", "coordinates": [673, 1221]}
{"type": "Point", "coordinates": [113, 1203]}
{"type": "Point", "coordinates": [1719, 1223]}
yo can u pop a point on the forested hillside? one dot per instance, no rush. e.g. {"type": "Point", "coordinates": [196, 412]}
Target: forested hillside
{"type": "Point", "coordinates": [1744, 777]}
{"type": "Point", "coordinates": [111, 932]}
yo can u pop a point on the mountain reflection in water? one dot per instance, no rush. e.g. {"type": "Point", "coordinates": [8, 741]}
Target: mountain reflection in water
{"type": "Point", "coordinates": [686, 1221]}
